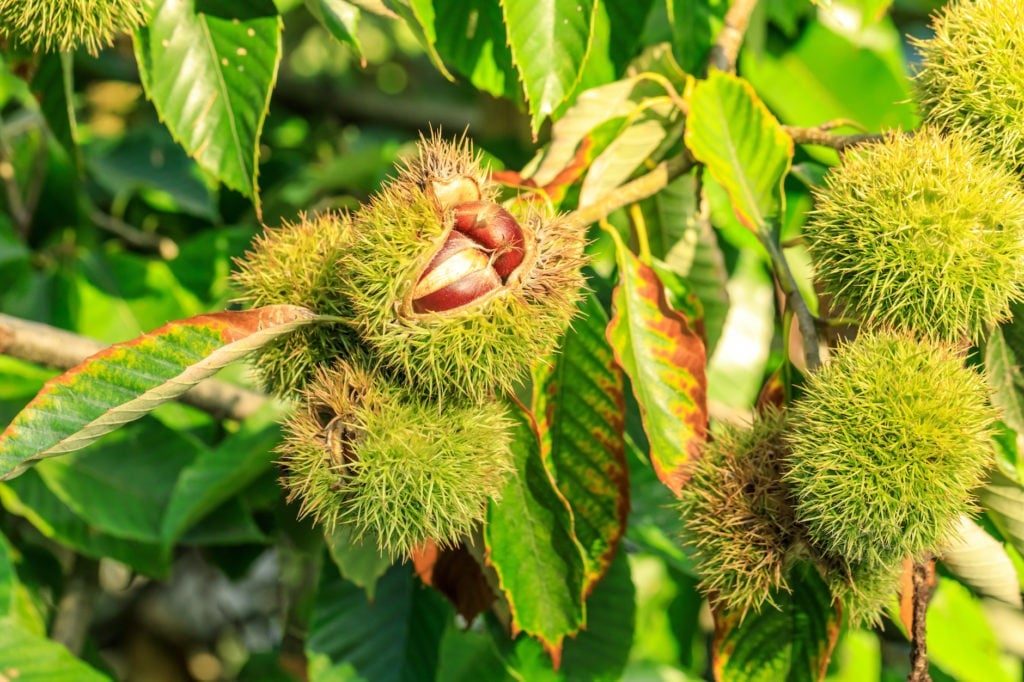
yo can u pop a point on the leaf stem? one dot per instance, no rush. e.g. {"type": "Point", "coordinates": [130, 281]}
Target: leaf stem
{"type": "Point", "coordinates": [643, 244]}
{"type": "Point", "coordinates": [794, 301]}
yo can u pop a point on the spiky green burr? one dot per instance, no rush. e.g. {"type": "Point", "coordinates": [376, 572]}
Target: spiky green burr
{"type": "Point", "coordinates": [886, 445]}
{"type": "Point", "coordinates": [738, 515]}
{"type": "Point", "coordinates": [364, 452]}
{"type": "Point", "coordinates": [473, 332]}
{"type": "Point", "coordinates": [971, 78]}
{"type": "Point", "coordinates": [297, 264]}
{"type": "Point", "coordinates": [920, 233]}
{"type": "Point", "coordinates": [66, 25]}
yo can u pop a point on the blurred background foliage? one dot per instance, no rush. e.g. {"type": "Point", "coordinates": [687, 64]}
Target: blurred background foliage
{"type": "Point", "coordinates": [120, 232]}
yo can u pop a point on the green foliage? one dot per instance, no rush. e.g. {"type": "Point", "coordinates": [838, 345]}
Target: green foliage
{"type": "Point", "coordinates": [971, 79]}
{"type": "Point", "coordinates": [921, 233]}
{"type": "Point", "coordinates": [886, 446]}
{"type": "Point", "coordinates": [496, 448]}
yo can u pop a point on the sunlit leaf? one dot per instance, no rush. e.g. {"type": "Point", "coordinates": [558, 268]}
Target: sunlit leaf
{"type": "Point", "coordinates": [530, 545]}
{"type": "Point", "coordinates": [471, 37]}
{"type": "Point", "coordinates": [1003, 499]}
{"type": "Point", "coordinates": [209, 67]}
{"type": "Point", "coordinates": [626, 153]}
{"type": "Point", "coordinates": [745, 149]}
{"type": "Point", "coordinates": [550, 41]}
{"type": "Point", "coordinates": [121, 383]}
{"type": "Point", "coordinates": [341, 19]}
{"type": "Point", "coordinates": [26, 656]}
{"type": "Point", "coordinates": [980, 561]}
{"type": "Point", "coordinates": [578, 404]}
{"type": "Point", "coordinates": [663, 354]}
{"type": "Point", "coordinates": [961, 641]}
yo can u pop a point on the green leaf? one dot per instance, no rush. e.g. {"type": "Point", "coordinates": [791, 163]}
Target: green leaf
{"type": "Point", "coordinates": [394, 638]}
{"type": "Point", "coordinates": [663, 355]}
{"type": "Point", "coordinates": [961, 641]}
{"type": "Point", "coordinates": [29, 657]}
{"type": "Point", "coordinates": [550, 41]}
{"type": "Point", "coordinates": [148, 162]}
{"type": "Point", "coordinates": [630, 149]}
{"type": "Point", "coordinates": [121, 383]}
{"type": "Point", "coordinates": [1003, 499]}
{"type": "Point", "coordinates": [419, 17]}
{"type": "Point", "coordinates": [122, 485]}
{"type": "Point", "coordinates": [578, 404]}
{"type": "Point", "coordinates": [791, 642]}
{"type": "Point", "coordinates": [219, 474]}
{"type": "Point", "coordinates": [28, 496]}
{"type": "Point", "coordinates": [1004, 353]}
{"type": "Point", "coordinates": [209, 67]}
{"type": "Point", "coordinates": [695, 24]}
{"type": "Point", "coordinates": [530, 545]}
{"type": "Point", "coordinates": [981, 561]}
{"type": "Point", "coordinates": [471, 37]}
{"type": "Point", "coordinates": [358, 560]}
{"type": "Point", "coordinates": [8, 579]}
{"type": "Point", "coordinates": [744, 148]}
{"type": "Point", "coordinates": [341, 19]}
{"type": "Point", "coordinates": [601, 650]}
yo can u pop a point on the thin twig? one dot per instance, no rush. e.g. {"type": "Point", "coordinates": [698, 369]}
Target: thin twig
{"type": "Point", "coordinates": [795, 302]}
{"type": "Point", "coordinates": [53, 347]}
{"type": "Point", "coordinates": [918, 643]}
{"type": "Point", "coordinates": [821, 137]}
{"type": "Point", "coordinates": [643, 187]}
{"type": "Point", "coordinates": [133, 236]}
{"type": "Point", "coordinates": [727, 47]}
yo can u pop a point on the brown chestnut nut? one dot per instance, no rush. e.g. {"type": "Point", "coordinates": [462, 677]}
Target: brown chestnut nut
{"type": "Point", "coordinates": [459, 293]}
{"type": "Point", "coordinates": [494, 228]}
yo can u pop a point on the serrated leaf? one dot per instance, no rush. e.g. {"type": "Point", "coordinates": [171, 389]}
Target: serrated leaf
{"type": "Point", "coordinates": [591, 108]}
{"type": "Point", "coordinates": [550, 41]}
{"type": "Point", "coordinates": [394, 638]}
{"type": "Point", "coordinates": [530, 545]}
{"type": "Point", "coordinates": [630, 148]}
{"type": "Point", "coordinates": [601, 650]}
{"type": "Point", "coordinates": [122, 383]}
{"type": "Point", "coordinates": [1004, 354]}
{"type": "Point", "coordinates": [792, 642]}
{"type": "Point", "coordinates": [981, 561]}
{"type": "Point", "coordinates": [1003, 498]}
{"type": "Point", "coordinates": [419, 17]}
{"type": "Point", "coordinates": [695, 24]}
{"type": "Point", "coordinates": [28, 496]}
{"type": "Point", "coordinates": [662, 353]}
{"type": "Point", "coordinates": [341, 19]}
{"type": "Point", "coordinates": [471, 37]}
{"type": "Point", "coordinates": [209, 67]}
{"type": "Point", "coordinates": [579, 407]}
{"type": "Point", "coordinates": [136, 466]}
{"type": "Point", "coordinates": [219, 474]}
{"type": "Point", "coordinates": [28, 657]}
{"type": "Point", "coordinates": [357, 560]}
{"type": "Point", "coordinates": [744, 148]}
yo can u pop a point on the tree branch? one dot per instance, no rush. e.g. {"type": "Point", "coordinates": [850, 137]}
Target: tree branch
{"type": "Point", "coordinates": [821, 137]}
{"type": "Point", "coordinates": [918, 645]}
{"type": "Point", "coordinates": [727, 47]}
{"type": "Point", "coordinates": [53, 347]}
